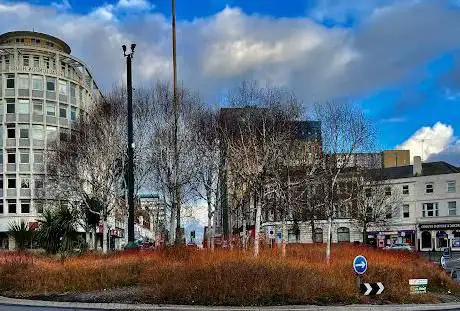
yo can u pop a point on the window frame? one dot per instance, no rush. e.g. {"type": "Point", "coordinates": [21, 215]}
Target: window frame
{"type": "Point", "coordinates": [450, 209]}
{"type": "Point", "coordinates": [427, 187]}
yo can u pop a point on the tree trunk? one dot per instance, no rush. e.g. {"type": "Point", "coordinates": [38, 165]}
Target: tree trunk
{"type": "Point", "coordinates": [104, 236]}
{"type": "Point", "coordinates": [172, 227]}
{"type": "Point", "coordinates": [364, 234]}
{"type": "Point", "coordinates": [257, 229]}
{"type": "Point", "coordinates": [93, 239]}
{"type": "Point", "coordinates": [213, 231]}
{"type": "Point", "coordinates": [312, 224]}
{"type": "Point", "coordinates": [283, 236]}
{"type": "Point", "coordinates": [244, 234]}
{"type": "Point", "coordinates": [88, 238]}
{"type": "Point", "coordinates": [208, 233]}
{"type": "Point", "coordinates": [329, 237]}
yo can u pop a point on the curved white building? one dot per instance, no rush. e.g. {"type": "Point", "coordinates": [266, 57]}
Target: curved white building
{"type": "Point", "coordinates": [43, 90]}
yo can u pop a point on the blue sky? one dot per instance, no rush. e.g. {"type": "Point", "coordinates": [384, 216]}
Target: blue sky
{"type": "Point", "coordinates": [400, 59]}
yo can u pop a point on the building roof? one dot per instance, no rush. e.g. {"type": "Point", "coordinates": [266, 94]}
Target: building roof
{"type": "Point", "coordinates": [428, 169]}
{"type": "Point", "coordinates": [33, 34]}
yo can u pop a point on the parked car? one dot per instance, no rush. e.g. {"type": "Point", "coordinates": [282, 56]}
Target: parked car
{"type": "Point", "coordinates": [400, 247]}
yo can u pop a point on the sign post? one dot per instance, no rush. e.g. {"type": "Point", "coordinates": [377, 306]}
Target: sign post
{"type": "Point", "coordinates": [360, 267]}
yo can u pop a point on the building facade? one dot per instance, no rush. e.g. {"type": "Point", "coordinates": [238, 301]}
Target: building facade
{"type": "Point", "coordinates": [43, 90]}
{"type": "Point", "coordinates": [428, 216]}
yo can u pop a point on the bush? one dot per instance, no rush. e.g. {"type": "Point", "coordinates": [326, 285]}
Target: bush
{"type": "Point", "coordinates": [190, 276]}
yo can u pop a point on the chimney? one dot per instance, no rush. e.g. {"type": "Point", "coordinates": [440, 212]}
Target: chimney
{"type": "Point", "coordinates": [417, 166]}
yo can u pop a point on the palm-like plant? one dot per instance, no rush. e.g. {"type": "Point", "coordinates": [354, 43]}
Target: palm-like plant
{"type": "Point", "coordinates": [21, 233]}
{"type": "Point", "coordinates": [58, 229]}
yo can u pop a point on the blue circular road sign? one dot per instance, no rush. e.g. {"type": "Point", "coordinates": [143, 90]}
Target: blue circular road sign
{"type": "Point", "coordinates": [360, 264]}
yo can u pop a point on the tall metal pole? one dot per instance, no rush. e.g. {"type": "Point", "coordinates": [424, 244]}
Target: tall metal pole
{"type": "Point", "coordinates": [177, 203]}
{"type": "Point", "coordinates": [130, 172]}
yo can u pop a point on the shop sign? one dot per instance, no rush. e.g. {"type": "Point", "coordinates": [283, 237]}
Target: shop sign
{"type": "Point", "coordinates": [418, 286]}
{"type": "Point", "coordinates": [439, 226]}
{"type": "Point", "coordinates": [456, 243]}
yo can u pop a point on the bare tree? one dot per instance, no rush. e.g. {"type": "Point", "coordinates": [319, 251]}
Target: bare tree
{"type": "Point", "coordinates": [86, 166]}
{"type": "Point", "coordinates": [345, 130]}
{"type": "Point", "coordinates": [207, 142]}
{"type": "Point", "coordinates": [255, 146]}
{"type": "Point", "coordinates": [166, 154]}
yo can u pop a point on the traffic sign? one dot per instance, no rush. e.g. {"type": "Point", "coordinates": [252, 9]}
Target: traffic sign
{"type": "Point", "coordinates": [360, 264]}
{"type": "Point", "coordinates": [372, 288]}
{"type": "Point", "coordinates": [443, 261]}
{"type": "Point", "coordinates": [418, 286]}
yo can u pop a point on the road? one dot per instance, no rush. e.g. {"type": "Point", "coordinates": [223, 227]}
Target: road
{"type": "Point", "coordinates": [75, 307]}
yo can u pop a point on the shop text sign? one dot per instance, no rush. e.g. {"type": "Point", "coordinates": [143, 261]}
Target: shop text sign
{"type": "Point", "coordinates": [440, 226]}
{"type": "Point", "coordinates": [31, 69]}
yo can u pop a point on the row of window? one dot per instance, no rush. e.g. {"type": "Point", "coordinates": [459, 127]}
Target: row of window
{"type": "Point", "coordinates": [24, 182]}
{"type": "Point", "coordinates": [31, 40]}
{"type": "Point", "coordinates": [35, 131]}
{"type": "Point", "coordinates": [431, 209]}
{"type": "Point", "coordinates": [451, 187]}
{"type": "Point", "coordinates": [23, 106]}
{"type": "Point", "coordinates": [24, 207]}
{"type": "Point", "coordinates": [39, 83]}
{"type": "Point", "coordinates": [24, 156]}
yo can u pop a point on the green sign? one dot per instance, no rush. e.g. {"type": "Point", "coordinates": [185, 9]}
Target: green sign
{"type": "Point", "coordinates": [418, 286]}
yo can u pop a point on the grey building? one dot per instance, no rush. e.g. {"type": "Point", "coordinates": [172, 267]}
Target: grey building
{"type": "Point", "coordinates": [43, 90]}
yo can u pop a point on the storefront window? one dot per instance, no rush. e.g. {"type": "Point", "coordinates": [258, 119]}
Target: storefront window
{"type": "Point", "coordinates": [426, 239]}
{"type": "Point", "coordinates": [343, 234]}
{"type": "Point", "coordinates": [442, 239]}
{"type": "Point", "coordinates": [318, 236]}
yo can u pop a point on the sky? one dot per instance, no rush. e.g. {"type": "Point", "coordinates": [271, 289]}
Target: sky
{"type": "Point", "coordinates": [399, 59]}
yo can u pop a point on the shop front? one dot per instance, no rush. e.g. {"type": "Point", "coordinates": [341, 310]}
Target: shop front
{"type": "Point", "coordinates": [438, 236]}
{"type": "Point", "coordinates": [387, 238]}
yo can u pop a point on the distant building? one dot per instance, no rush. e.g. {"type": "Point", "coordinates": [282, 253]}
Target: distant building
{"type": "Point", "coordinates": [395, 158]}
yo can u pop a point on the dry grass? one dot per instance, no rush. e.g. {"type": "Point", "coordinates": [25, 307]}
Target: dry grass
{"type": "Point", "coordinates": [227, 278]}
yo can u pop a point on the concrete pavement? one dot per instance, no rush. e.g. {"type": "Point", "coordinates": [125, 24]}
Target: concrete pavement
{"type": "Point", "coordinates": [11, 304]}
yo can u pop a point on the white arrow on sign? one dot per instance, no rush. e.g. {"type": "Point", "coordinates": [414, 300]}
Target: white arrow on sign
{"type": "Point", "coordinates": [368, 289]}
{"type": "Point", "coordinates": [381, 288]}
{"type": "Point", "coordinates": [361, 264]}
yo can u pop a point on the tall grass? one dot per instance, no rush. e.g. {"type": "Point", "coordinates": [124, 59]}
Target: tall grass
{"type": "Point", "coordinates": [228, 277]}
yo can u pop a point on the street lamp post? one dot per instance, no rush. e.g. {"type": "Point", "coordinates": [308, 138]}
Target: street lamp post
{"type": "Point", "coordinates": [130, 173]}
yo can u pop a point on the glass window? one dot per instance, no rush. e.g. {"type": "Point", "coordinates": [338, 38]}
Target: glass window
{"type": "Point", "coordinates": [24, 82]}
{"type": "Point", "coordinates": [62, 87]}
{"type": "Point", "coordinates": [38, 157]}
{"type": "Point", "coordinates": [24, 105]}
{"type": "Point", "coordinates": [36, 61]}
{"type": "Point", "coordinates": [24, 157]}
{"type": "Point", "coordinates": [38, 183]}
{"type": "Point", "coordinates": [388, 212]}
{"type": "Point", "coordinates": [11, 206]}
{"type": "Point", "coordinates": [406, 211]}
{"type": "Point", "coordinates": [63, 136]}
{"type": "Point", "coordinates": [405, 189]}
{"type": "Point", "coordinates": [50, 109]}
{"type": "Point", "coordinates": [11, 182]}
{"type": "Point", "coordinates": [73, 113]}
{"type": "Point", "coordinates": [318, 236]}
{"type": "Point", "coordinates": [11, 130]}
{"type": "Point", "coordinates": [10, 105]}
{"type": "Point", "coordinates": [25, 60]}
{"type": "Point", "coordinates": [51, 133]}
{"type": "Point", "coordinates": [25, 207]}
{"type": "Point", "coordinates": [24, 132]}
{"type": "Point", "coordinates": [1, 208]}
{"type": "Point", "coordinates": [343, 234]}
{"type": "Point", "coordinates": [451, 185]}
{"type": "Point", "coordinates": [11, 156]}
{"type": "Point", "coordinates": [25, 182]}
{"type": "Point", "coordinates": [72, 90]}
{"type": "Point", "coordinates": [46, 60]}
{"type": "Point", "coordinates": [38, 107]}
{"type": "Point", "coordinates": [429, 188]}
{"type": "Point", "coordinates": [39, 206]}
{"type": "Point", "coordinates": [37, 132]}
{"type": "Point", "coordinates": [10, 81]}
{"type": "Point", "coordinates": [452, 208]}
{"type": "Point", "coordinates": [387, 190]}
{"type": "Point", "coordinates": [430, 210]}
{"type": "Point", "coordinates": [50, 84]}
{"type": "Point", "coordinates": [37, 83]}
{"type": "Point", "coordinates": [62, 111]}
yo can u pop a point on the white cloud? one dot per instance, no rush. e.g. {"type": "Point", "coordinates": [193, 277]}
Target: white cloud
{"type": "Point", "coordinates": [135, 4]}
{"type": "Point", "coordinates": [433, 140]}
{"type": "Point", "coordinates": [62, 6]}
